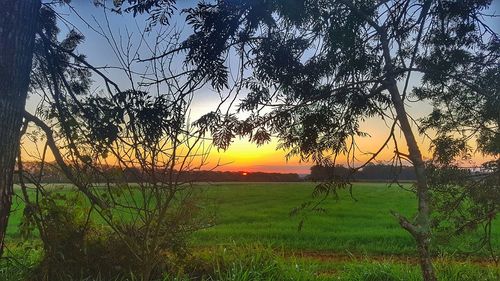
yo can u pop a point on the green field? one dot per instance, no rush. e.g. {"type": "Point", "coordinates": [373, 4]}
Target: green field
{"type": "Point", "coordinates": [260, 212]}
{"type": "Point", "coordinates": [348, 235]}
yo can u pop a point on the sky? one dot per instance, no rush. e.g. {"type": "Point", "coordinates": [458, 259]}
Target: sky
{"type": "Point", "coordinates": [241, 155]}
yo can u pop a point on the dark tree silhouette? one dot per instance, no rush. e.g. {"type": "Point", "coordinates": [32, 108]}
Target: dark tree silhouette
{"type": "Point", "coordinates": [160, 11]}
{"type": "Point", "coordinates": [18, 24]}
{"type": "Point", "coordinates": [323, 66]}
{"type": "Point", "coordinates": [377, 172]}
{"type": "Point", "coordinates": [99, 140]}
{"type": "Point", "coordinates": [466, 197]}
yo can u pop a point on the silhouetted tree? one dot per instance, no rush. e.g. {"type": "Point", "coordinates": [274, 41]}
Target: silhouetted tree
{"type": "Point", "coordinates": [101, 140]}
{"type": "Point", "coordinates": [325, 173]}
{"type": "Point", "coordinates": [18, 24]}
{"type": "Point", "coordinates": [323, 66]}
{"type": "Point", "coordinates": [466, 120]}
{"type": "Point", "coordinates": [371, 171]}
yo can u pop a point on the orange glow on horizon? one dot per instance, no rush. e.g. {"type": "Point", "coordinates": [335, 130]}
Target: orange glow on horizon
{"type": "Point", "coordinates": [243, 155]}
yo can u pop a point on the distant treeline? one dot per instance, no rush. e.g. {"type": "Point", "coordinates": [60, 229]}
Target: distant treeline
{"type": "Point", "coordinates": [215, 176]}
{"type": "Point", "coordinates": [51, 174]}
{"type": "Point", "coordinates": [375, 172]}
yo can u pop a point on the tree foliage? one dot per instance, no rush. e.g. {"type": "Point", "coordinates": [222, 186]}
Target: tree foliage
{"type": "Point", "coordinates": [320, 64]}
{"type": "Point", "coordinates": [98, 137]}
{"type": "Point", "coordinates": [322, 67]}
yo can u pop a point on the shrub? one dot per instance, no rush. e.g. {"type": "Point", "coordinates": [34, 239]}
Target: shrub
{"type": "Point", "coordinates": [74, 248]}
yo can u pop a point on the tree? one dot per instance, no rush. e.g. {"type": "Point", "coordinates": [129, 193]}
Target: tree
{"type": "Point", "coordinates": [466, 199]}
{"type": "Point", "coordinates": [100, 139]}
{"type": "Point", "coordinates": [323, 66]}
{"type": "Point", "coordinates": [371, 171]}
{"type": "Point", "coordinates": [18, 24]}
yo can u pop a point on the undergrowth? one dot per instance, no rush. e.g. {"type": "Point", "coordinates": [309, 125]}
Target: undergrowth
{"type": "Point", "coordinates": [262, 263]}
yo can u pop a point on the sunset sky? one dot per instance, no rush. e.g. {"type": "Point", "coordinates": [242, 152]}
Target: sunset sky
{"type": "Point", "coordinates": [242, 155]}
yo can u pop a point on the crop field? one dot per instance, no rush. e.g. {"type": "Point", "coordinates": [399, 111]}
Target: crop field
{"type": "Point", "coordinates": [248, 213]}
{"type": "Point", "coordinates": [352, 236]}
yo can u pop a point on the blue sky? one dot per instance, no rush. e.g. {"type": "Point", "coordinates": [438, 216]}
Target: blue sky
{"type": "Point", "coordinates": [242, 155]}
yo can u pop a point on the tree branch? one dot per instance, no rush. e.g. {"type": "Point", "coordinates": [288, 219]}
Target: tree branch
{"type": "Point", "coordinates": [83, 187]}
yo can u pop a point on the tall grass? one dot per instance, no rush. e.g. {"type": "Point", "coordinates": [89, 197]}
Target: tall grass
{"type": "Point", "coordinates": [262, 263]}
{"type": "Point", "coordinates": [381, 271]}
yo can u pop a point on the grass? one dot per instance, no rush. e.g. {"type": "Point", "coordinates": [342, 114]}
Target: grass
{"type": "Point", "coordinates": [259, 212]}
{"type": "Point", "coordinates": [260, 263]}
{"type": "Point", "coordinates": [352, 240]}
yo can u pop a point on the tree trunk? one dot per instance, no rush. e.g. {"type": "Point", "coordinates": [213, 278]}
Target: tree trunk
{"type": "Point", "coordinates": [425, 258]}
{"type": "Point", "coordinates": [18, 23]}
{"type": "Point", "coordinates": [421, 228]}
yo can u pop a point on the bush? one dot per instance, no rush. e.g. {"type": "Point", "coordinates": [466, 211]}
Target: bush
{"type": "Point", "coordinates": [74, 248]}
